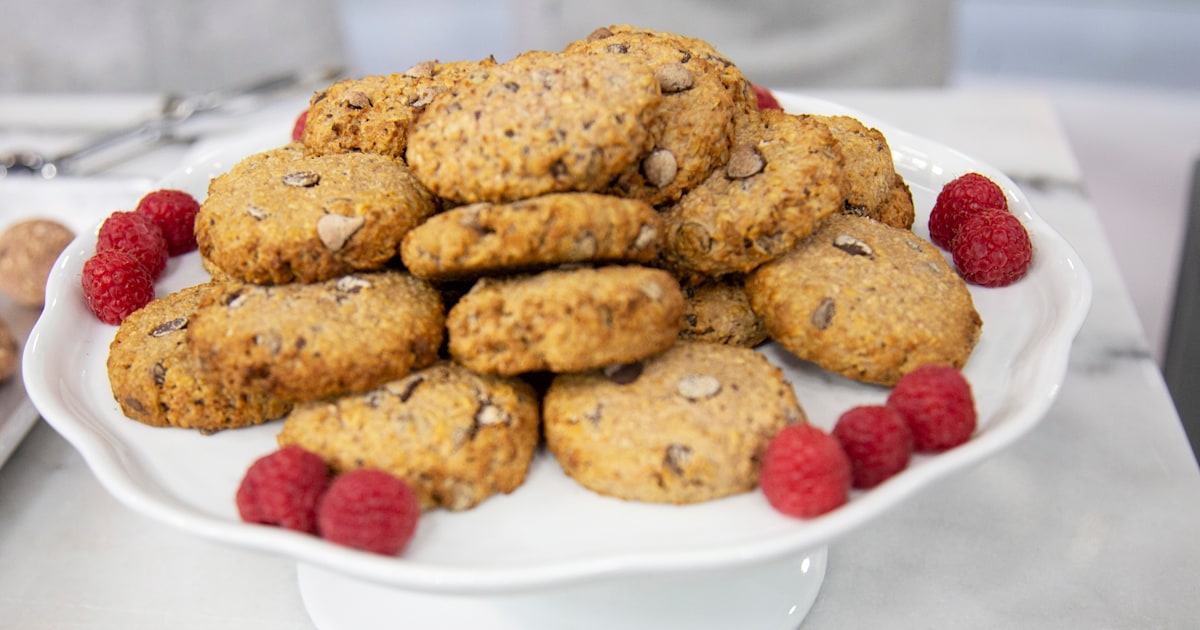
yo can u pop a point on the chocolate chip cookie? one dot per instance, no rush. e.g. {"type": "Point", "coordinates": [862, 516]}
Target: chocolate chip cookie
{"type": "Point", "coordinates": [373, 114]}
{"type": "Point", "coordinates": [484, 239]}
{"type": "Point", "coordinates": [684, 426]}
{"type": "Point", "coordinates": [299, 342]}
{"type": "Point", "coordinates": [456, 436]}
{"type": "Point", "coordinates": [155, 378]}
{"type": "Point", "coordinates": [693, 130]}
{"type": "Point", "coordinates": [280, 216]}
{"type": "Point", "coordinates": [872, 187]}
{"type": "Point", "coordinates": [718, 311]}
{"type": "Point", "coordinates": [539, 123]}
{"type": "Point", "coordinates": [866, 300]}
{"type": "Point", "coordinates": [777, 187]}
{"type": "Point", "coordinates": [565, 320]}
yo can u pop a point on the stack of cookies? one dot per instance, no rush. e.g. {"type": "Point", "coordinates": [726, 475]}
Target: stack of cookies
{"type": "Point", "coordinates": [584, 245]}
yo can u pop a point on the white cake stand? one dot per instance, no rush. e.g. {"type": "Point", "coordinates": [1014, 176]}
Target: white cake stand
{"type": "Point", "coordinates": [775, 595]}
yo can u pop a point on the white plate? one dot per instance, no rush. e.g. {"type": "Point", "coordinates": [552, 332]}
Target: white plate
{"type": "Point", "coordinates": [551, 531]}
{"type": "Point", "coordinates": [77, 203]}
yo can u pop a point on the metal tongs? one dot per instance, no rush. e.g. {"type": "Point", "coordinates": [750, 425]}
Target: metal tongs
{"type": "Point", "coordinates": [174, 112]}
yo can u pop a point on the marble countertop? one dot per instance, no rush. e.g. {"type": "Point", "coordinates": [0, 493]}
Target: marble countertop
{"type": "Point", "coordinates": [1088, 521]}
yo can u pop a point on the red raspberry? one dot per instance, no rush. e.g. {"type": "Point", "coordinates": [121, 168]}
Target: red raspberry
{"type": "Point", "coordinates": [283, 489]}
{"type": "Point", "coordinates": [766, 100]}
{"type": "Point", "coordinates": [992, 249]}
{"type": "Point", "coordinates": [115, 284]}
{"type": "Point", "coordinates": [936, 403]}
{"type": "Point", "coordinates": [877, 440]}
{"type": "Point", "coordinates": [805, 472]}
{"type": "Point", "coordinates": [298, 127]}
{"type": "Point", "coordinates": [136, 235]}
{"type": "Point", "coordinates": [959, 199]}
{"type": "Point", "coordinates": [174, 211]}
{"type": "Point", "coordinates": [369, 510]}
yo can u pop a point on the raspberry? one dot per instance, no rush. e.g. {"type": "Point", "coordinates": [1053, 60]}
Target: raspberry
{"type": "Point", "coordinates": [936, 403]}
{"type": "Point", "coordinates": [369, 510]}
{"type": "Point", "coordinates": [877, 440]}
{"type": "Point", "coordinates": [992, 249]}
{"type": "Point", "coordinates": [283, 489]}
{"type": "Point", "coordinates": [959, 199]}
{"type": "Point", "coordinates": [174, 211]}
{"type": "Point", "coordinates": [298, 127]}
{"type": "Point", "coordinates": [136, 235]}
{"type": "Point", "coordinates": [805, 472]}
{"type": "Point", "coordinates": [115, 284]}
{"type": "Point", "coordinates": [766, 100]}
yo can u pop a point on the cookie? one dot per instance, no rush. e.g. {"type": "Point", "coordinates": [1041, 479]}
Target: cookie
{"type": "Point", "coordinates": [9, 352]}
{"type": "Point", "coordinates": [299, 342]}
{"type": "Point", "coordinates": [871, 187]}
{"type": "Point", "coordinates": [457, 437]}
{"type": "Point", "coordinates": [565, 320]}
{"type": "Point", "coordinates": [684, 426]}
{"type": "Point", "coordinates": [866, 300]}
{"type": "Point", "coordinates": [772, 194]}
{"type": "Point", "coordinates": [482, 239]}
{"type": "Point", "coordinates": [693, 131]}
{"type": "Point", "coordinates": [539, 123]}
{"type": "Point", "coordinates": [373, 114]}
{"type": "Point", "coordinates": [718, 311]}
{"type": "Point", "coordinates": [28, 250]}
{"type": "Point", "coordinates": [739, 88]}
{"type": "Point", "coordinates": [155, 380]}
{"type": "Point", "coordinates": [280, 216]}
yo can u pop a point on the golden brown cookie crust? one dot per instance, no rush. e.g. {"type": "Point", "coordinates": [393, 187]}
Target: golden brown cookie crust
{"type": "Point", "coordinates": [565, 320]}
{"type": "Point", "coordinates": [693, 130]}
{"type": "Point", "coordinates": [300, 342]}
{"type": "Point", "coordinates": [871, 187]}
{"type": "Point", "coordinates": [718, 311]}
{"type": "Point", "coordinates": [866, 300]}
{"type": "Point", "coordinates": [456, 436]}
{"type": "Point", "coordinates": [280, 216]}
{"type": "Point", "coordinates": [684, 426]}
{"type": "Point", "coordinates": [772, 194]}
{"type": "Point", "coordinates": [539, 123]}
{"type": "Point", "coordinates": [155, 379]}
{"type": "Point", "coordinates": [485, 239]}
{"type": "Point", "coordinates": [373, 114]}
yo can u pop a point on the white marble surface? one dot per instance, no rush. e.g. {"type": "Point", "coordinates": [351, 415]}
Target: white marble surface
{"type": "Point", "coordinates": [1087, 522]}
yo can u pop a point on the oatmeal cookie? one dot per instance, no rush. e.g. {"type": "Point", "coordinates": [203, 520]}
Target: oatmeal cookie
{"type": "Point", "coordinates": [457, 437]}
{"type": "Point", "coordinates": [155, 379]}
{"type": "Point", "coordinates": [539, 123]}
{"type": "Point", "coordinates": [373, 114]}
{"type": "Point", "coordinates": [872, 187]}
{"type": "Point", "coordinates": [299, 342]}
{"type": "Point", "coordinates": [280, 216]}
{"type": "Point", "coordinates": [482, 239]}
{"type": "Point", "coordinates": [771, 195]}
{"type": "Point", "coordinates": [718, 311]}
{"type": "Point", "coordinates": [684, 426]}
{"type": "Point", "coordinates": [693, 130]}
{"type": "Point", "coordinates": [866, 300]}
{"type": "Point", "coordinates": [565, 320]}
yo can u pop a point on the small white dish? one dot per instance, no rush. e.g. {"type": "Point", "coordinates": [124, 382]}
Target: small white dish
{"type": "Point", "coordinates": [551, 533]}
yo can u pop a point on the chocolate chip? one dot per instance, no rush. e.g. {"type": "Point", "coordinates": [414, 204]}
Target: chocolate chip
{"type": "Point", "coordinates": [698, 386]}
{"type": "Point", "coordinates": [625, 373]}
{"type": "Point", "coordinates": [853, 246]}
{"type": "Point", "coordinates": [745, 161]}
{"type": "Point", "coordinates": [302, 179]}
{"type": "Point", "coordinates": [660, 167]}
{"type": "Point", "coordinates": [822, 316]}
{"type": "Point", "coordinates": [675, 457]}
{"type": "Point", "coordinates": [358, 100]}
{"type": "Point", "coordinates": [166, 328]}
{"type": "Point", "coordinates": [673, 77]}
